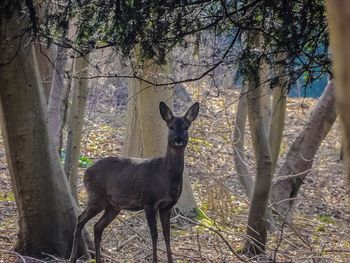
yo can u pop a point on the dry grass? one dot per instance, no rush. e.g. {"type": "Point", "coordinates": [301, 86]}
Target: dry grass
{"type": "Point", "coordinates": [319, 232]}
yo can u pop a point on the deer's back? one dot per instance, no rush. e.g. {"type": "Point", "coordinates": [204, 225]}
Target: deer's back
{"type": "Point", "coordinates": [132, 183]}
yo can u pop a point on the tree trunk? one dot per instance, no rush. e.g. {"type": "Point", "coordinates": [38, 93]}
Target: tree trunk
{"type": "Point", "coordinates": [278, 111]}
{"type": "Point", "coordinates": [257, 218]}
{"type": "Point", "coordinates": [279, 103]}
{"type": "Point", "coordinates": [47, 211]}
{"type": "Point", "coordinates": [242, 170]}
{"type": "Point", "coordinates": [57, 98]}
{"type": "Point", "coordinates": [45, 56]}
{"type": "Point", "coordinates": [76, 121]}
{"type": "Point", "coordinates": [301, 154]}
{"type": "Point", "coordinates": [339, 19]}
{"type": "Point", "coordinates": [146, 133]}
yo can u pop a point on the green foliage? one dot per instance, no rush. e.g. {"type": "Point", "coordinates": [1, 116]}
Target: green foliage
{"type": "Point", "coordinates": [320, 228]}
{"type": "Point", "coordinates": [203, 218]}
{"type": "Point", "coordinates": [198, 143]}
{"type": "Point", "coordinates": [325, 219]}
{"type": "Point", "coordinates": [84, 162]}
{"type": "Point", "coordinates": [296, 29]}
{"type": "Point", "coordinates": [7, 196]}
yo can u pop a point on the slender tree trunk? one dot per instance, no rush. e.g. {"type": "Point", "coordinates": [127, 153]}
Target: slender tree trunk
{"type": "Point", "coordinates": [265, 95]}
{"type": "Point", "coordinates": [45, 57]}
{"type": "Point", "coordinates": [46, 209]}
{"type": "Point", "coordinates": [273, 111]}
{"type": "Point", "coordinates": [146, 133]}
{"type": "Point", "coordinates": [57, 98]}
{"type": "Point", "coordinates": [242, 170]}
{"type": "Point", "coordinates": [279, 104]}
{"type": "Point", "coordinates": [76, 121]}
{"type": "Point", "coordinates": [339, 19]}
{"type": "Point", "coordinates": [278, 111]}
{"type": "Point", "coordinates": [301, 154]}
{"type": "Point", "coordinates": [257, 218]}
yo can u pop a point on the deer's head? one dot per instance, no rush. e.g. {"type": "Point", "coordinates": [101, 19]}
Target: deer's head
{"type": "Point", "coordinates": [178, 126]}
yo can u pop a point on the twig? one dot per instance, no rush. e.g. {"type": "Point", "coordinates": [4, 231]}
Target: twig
{"type": "Point", "coordinates": [6, 238]}
{"type": "Point", "coordinates": [50, 256]}
{"type": "Point", "coordinates": [121, 246]}
{"type": "Point", "coordinates": [218, 233]}
{"type": "Point", "coordinates": [22, 258]}
{"type": "Point", "coordinates": [14, 253]}
{"type": "Point", "coordinates": [199, 245]}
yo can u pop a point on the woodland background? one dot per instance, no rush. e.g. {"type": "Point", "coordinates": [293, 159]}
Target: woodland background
{"type": "Point", "coordinates": [81, 80]}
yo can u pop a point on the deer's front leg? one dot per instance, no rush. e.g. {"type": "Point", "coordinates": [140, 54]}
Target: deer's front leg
{"type": "Point", "coordinates": [152, 223]}
{"type": "Point", "coordinates": [164, 215]}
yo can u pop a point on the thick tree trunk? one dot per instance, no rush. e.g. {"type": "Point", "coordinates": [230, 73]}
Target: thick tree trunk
{"type": "Point", "coordinates": [76, 121]}
{"type": "Point", "coordinates": [301, 154]}
{"type": "Point", "coordinates": [47, 211]}
{"type": "Point", "coordinates": [57, 98]}
{"type": "Point", "coordinates": [339, 19]}
{"type": "Point", "coordinates": [146, 133]}
{"type": "Point", "coordinates": [257, 218]}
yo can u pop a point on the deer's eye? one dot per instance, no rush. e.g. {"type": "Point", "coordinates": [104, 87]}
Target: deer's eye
{"type": "Point", "coordinates": [172, 127]}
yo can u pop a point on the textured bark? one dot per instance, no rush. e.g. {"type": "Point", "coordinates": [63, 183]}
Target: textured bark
{"type": "Point", "coordinates": [45, 56]}
{"type": "Point", "coordinates": [257, 217]}
{"type": "Point", "coordinates": [265, 95]}
{"type": "Point", "coordinates": [339, 19]}
{"type": "Point", "coordinates": [278, 111]}
{"type": "Point", "coordinates": [301, 154]}
{"type": "Point", "coordinates": [133, 140]}
{"type": "Point", "coordinates": [242, 170]}
{"type": "Point", "coordinates": [146, 133]}
{"type": "Point", "coordinates": [57, 98]}
{"type": "Point", "coordinates": [279, 104]}
{"type": "Point", "coordinates": [46, 209]}
{"type": "Point", "coordinates": [76, 121]}
{"type": "Point", "coordinates": [273, 109]}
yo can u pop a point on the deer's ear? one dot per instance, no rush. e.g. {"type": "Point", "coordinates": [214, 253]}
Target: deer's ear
{"type": "Point", "coordinates": [192, 112]}
{"type": "Point", "coordinates": [166, 113]}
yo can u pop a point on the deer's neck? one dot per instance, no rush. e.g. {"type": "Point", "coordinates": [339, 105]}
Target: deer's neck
{"type": "Point", "coordinates": [174, 161]}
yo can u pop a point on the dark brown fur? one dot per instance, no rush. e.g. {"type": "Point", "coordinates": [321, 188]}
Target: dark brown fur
{"type": "Point", "coordinates": [114, 184]}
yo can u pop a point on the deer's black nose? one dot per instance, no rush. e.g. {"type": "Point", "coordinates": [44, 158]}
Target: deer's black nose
{"type": "Point", "coordinates": [178, 141]}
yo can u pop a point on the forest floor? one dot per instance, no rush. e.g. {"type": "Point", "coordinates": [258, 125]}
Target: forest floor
{"type": "Point", "coordinates": [320, 229]}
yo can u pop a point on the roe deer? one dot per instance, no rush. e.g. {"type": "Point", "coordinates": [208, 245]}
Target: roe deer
{"type": "Point", "coordinates": [114, 184]}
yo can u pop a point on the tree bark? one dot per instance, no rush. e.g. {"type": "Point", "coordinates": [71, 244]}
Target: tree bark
{"type": "Point", "coordinates": [301, 154]}
{"type": "Point", "coordinates": [57, 98]}
{"type": "Point", "coordinates": [242, 170]}
{"type": "Point", "coordinates": [257, 217]}
{"type": "Point", "coordinates": [146, 133]}
{"type": "Point", "coordinates": [339, 19]}
{"type": "Point", "coordinates": [46, 209]}
{"type": "Point", "coordinates": [76, 121]}
{"type": "Point", "coordinates": [279, 104]}
{"type": "Point", "coordinates": [278, 110]}
{"type": "Point", "coordinates": [45, 56]}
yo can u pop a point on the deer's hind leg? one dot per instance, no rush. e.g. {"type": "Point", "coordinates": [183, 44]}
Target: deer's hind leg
{"type": "Point", "coordinates": [107, 217]}
{"type": "Point", "coordinates": [94, 206]}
